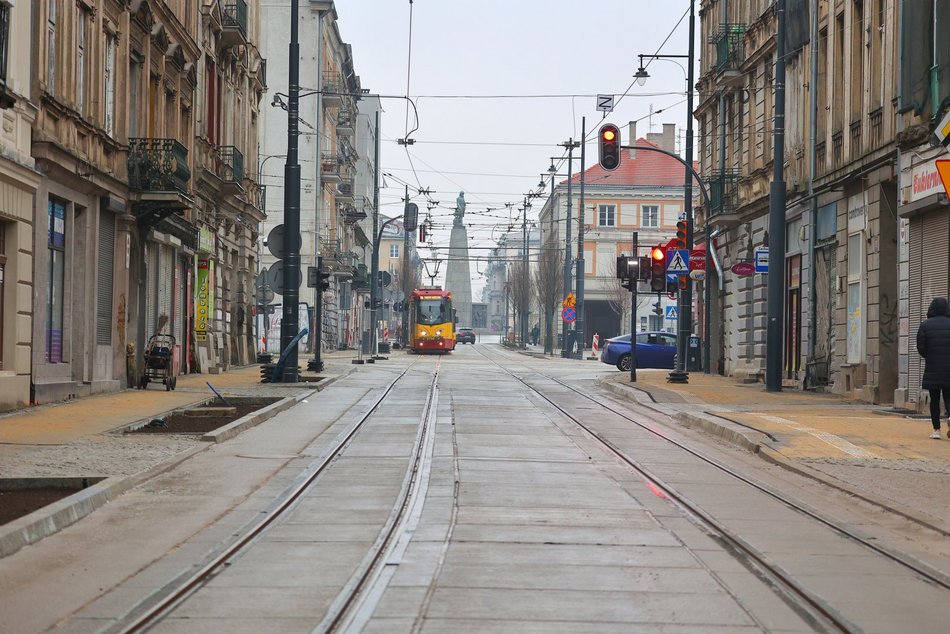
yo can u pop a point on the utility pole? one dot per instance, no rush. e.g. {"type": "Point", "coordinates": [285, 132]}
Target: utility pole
{"type": "Point", "coordinates": [289, 324]}
{"type": "Point", "coordinates": [685, 303]}
{"type": "Point", "coordinates": [775, 313]}
{"type": "Point", "coordinates": [374, 264]}
{"type": "Point", "coordinates": [570, 144]}
{"type": "Point", "coordinates": [524, 271]}
{"type": "Point", "coordinates": [579, 324]}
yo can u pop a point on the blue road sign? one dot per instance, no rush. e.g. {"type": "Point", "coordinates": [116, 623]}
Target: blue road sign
{"type": "Point", "coordinates": [677, 261]}
{"type": "Point", "coordinates": [569, 314]}
{"type": "Point", "coordinates": [671, 312]}
{"type": "Point", "coordinates": [761, 260]}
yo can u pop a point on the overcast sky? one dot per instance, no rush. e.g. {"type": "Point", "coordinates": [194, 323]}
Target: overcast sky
{"type": "Point", "coordinates": [498, 84]}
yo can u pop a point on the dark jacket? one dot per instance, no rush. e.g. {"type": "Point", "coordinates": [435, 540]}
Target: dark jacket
{"type": "Point", "coordinates": [933, 344]}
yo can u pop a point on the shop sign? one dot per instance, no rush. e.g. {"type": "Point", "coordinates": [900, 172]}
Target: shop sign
{"type": "Point", "coordinates": [925, 180]}
{"type": "Point", "coordinates": [205, 240]}
{"type": "Point", "coordinates": [204, 294]}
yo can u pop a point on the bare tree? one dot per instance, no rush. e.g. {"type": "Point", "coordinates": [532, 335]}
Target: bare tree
{"type": "Point", "coordinates": [619, 300]}
{"type": "Point", "coordinates": [547, 286]}
{"type": "Point", "coordinates": [520, 284]}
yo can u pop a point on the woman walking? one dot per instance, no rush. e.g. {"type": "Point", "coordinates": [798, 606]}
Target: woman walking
{"type": "Point", "coordinates": [933, 344]}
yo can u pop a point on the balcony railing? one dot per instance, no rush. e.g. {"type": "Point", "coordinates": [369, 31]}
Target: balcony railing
{"type": "Point", "coordinates": [352, 215]}
{"type": "Point", "coordinates": [345, 122]}
{"type": "Point", "coordinates": [730, 52]}
{"type": "Point", "coordinates": [723, 193]}
{"type": "Point", "coordinates": [330, 166]}
{"type": "Point", "coordinates": [332, 89]}
{"type": "Point", "coordinates": [230, 164]}
{"type": "Point", "coordinates": [158, 165]}
{"type": "Point", "coordinates": [344, 189]}
{"type": "Point", "coordinates": [234, 16]}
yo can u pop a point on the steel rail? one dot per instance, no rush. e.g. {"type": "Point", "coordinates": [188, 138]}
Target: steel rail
{"type": "Point", "coordinates": [178, 592]}
{"type": "Point", "coordinates": [354, 606]}
{"type": "Point", "coordinates": [813, 607]}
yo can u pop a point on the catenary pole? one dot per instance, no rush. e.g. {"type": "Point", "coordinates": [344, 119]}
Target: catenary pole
{"type": "Point", "coordinates": [289, 324]}
{"type": "Point", "coordinates": [579, 324]}
{"type": "Point", "coordinates": [775, 317]}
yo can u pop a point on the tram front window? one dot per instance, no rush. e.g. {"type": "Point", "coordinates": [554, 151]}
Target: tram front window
{"type": "Point", "coordinates": [430, 312]}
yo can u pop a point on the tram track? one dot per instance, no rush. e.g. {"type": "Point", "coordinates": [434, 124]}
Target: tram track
{"type": "Point", "coordinates": [345, 609]}
{"type": "Point", "coordinates": [817, 611]}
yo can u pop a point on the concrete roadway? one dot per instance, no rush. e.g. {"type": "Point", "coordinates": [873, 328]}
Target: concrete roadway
{"type": "Point", "coordinates": [527, 525]}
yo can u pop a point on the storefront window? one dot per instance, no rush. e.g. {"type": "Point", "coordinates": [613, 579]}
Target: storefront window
{"type": "Point", "coordinates": [55, 281]}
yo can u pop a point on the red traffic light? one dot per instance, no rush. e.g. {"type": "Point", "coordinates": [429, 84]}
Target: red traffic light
{"type": "Point", "coordinates": [609, 146]}
{"type": "Point", "coordinates": [658, 254]}
{"type": "Point", "coordinates": [682, 230]}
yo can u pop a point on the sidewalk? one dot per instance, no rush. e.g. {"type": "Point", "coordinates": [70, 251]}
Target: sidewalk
{"type": "Point", "coordinates": [65, 422]}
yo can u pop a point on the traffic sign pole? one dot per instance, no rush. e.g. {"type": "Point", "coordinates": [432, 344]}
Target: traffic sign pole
{"type": "Point", "coordinates": [633, 317]}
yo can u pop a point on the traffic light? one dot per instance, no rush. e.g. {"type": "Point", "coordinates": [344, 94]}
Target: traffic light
{"type": "Point", "coordinates": [657, 309]}
{"type": "Point", "coordinates": [323, 276]}
{"type": "Point", "coordinates": [609, 145]}
{"type": "Point", "coordinates": [644, 267]}
{"type": "Point", "coordinates": [683, 281]}
{"type": "Point", "coordinates": [681, 230]}
{"type": "Point", "coordinates": [658, 269]}
{"type": "Point", "coordinates": [628, 271]}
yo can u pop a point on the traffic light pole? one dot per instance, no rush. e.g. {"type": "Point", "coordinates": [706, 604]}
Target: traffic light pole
{"type": "Point", "coordinates": [633, 314]}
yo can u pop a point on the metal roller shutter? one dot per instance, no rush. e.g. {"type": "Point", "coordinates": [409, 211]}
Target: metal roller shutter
{"type": "Point", "coordinates": [105, 270]}
{"type": "Point", "coordinates": [165, 283]}
{"type": "Point", "coordinates": [929, 278]}
{"type": "Point", "coordinates": [151, 293]}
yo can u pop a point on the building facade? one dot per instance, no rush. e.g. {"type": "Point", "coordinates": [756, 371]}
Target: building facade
{"type": "Point", "coordinates": [645, 194]}
{"type": "Point", "coordinates": [19, 180]}
{"type": "Point", "coordinates": [923, 208]}
{"type": "Point", "coordinates": [841, 327]}
{"type": "Point", "coordinates": [134, 99]}
{"type": "Point", "coordinates": [331, 209]}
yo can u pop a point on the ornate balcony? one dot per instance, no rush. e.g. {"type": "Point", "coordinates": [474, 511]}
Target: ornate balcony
{"type": "Point", "coordinates": [332, 89]}
{"type": "Point", "coordinates": [351, 215]}
{"type": "Point", "coordinates": [723, 197]}
{"type": "Point", "coordinates": [234, 23]}
{"type": "Point", "coordinates": [346, 123]}
{"type": "Point", "coordinates": [730, 53]}
{"type": "Point", "coordinates": [330, 167]}
{"type": "Point", "coordinates": [230, 165]}
{"type": "Point", "coordinates": [158, 165]}
{"type": "Point", "coordinates": [344, 190]}
{"type": "Point", "coordinates": [360, 277]}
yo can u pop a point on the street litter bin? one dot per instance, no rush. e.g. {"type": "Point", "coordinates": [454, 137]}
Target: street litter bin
{"type": "Point", "coordinates": [693, 354]}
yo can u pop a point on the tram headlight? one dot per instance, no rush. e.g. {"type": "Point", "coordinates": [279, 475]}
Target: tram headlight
{"type": "Point", "coordinates": [438, 332]}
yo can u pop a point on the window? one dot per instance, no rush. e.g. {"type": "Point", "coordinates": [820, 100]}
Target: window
{"type": "Point", "coordinates": [56, 280]}
{"type": "Point", "coordinates": [394, 250]}
{"type": "Point", "coordinates": [855, 324]}
{"type": "Point", "coordinates": [857, 57]}
{"type": "Point", "coordinates": [81, 61]}
{"type": "Point", "coordinates": [110, 84]}
{"type": "Point", "coordinates": [651, 216]}
{"type": "Point", "coordinates": [837, 80]}
{"type": "Point", "coordinates": [606, 215]}
{"type": "Point", "coordinates": [135, 90]}
{"type": "Point", "coordinates": [3, 263]}
{"type": "Point", "coordinates": [4, 40]}
{"type": "Point", "coordinates": [51, 47]}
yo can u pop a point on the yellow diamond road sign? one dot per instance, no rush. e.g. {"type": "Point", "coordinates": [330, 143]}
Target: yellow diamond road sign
{"type": "Point", "coordinates": [943, 168]}
{"type": "Point", "coordinates": [569, 301]}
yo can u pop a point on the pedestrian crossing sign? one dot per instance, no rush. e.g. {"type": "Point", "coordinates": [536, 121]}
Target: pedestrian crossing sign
{"type": "Point", "coordinates": [678, 261]}
{"type": "Point", "coordinates": [671, 312]}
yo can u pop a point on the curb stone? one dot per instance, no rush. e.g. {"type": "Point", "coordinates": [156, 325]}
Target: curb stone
{"type": "Point", "coordinates": [54, 517]}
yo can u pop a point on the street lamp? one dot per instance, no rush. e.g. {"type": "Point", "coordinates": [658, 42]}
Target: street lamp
{"type": "Point", "coordinates": [685, 302]}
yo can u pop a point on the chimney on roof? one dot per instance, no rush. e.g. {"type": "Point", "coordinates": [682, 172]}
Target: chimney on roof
{"type": "Point", "coordinates": [632, 136]}
{"type": "Point", "coordinates": [669, 137]}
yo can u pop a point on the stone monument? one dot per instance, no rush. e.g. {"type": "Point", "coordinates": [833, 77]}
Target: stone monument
{"type": "Point", "coordinates": [458, 274]}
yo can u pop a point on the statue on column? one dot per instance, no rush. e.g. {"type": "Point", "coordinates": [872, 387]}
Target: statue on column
{"type": "Point", "coordinates": [459, 210]}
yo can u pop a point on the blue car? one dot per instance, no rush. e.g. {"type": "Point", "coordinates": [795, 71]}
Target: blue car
{"type": "Point", "coordinates": [654, 350]}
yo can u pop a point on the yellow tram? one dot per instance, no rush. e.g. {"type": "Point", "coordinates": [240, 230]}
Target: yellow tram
{"type": "Point", "coordinates": [432, 321]}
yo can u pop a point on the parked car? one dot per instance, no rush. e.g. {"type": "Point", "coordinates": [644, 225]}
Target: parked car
{"type": "Point", "coordinates": [654, 350]}
{"type": "Point", "coordinates": [465, 335]}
